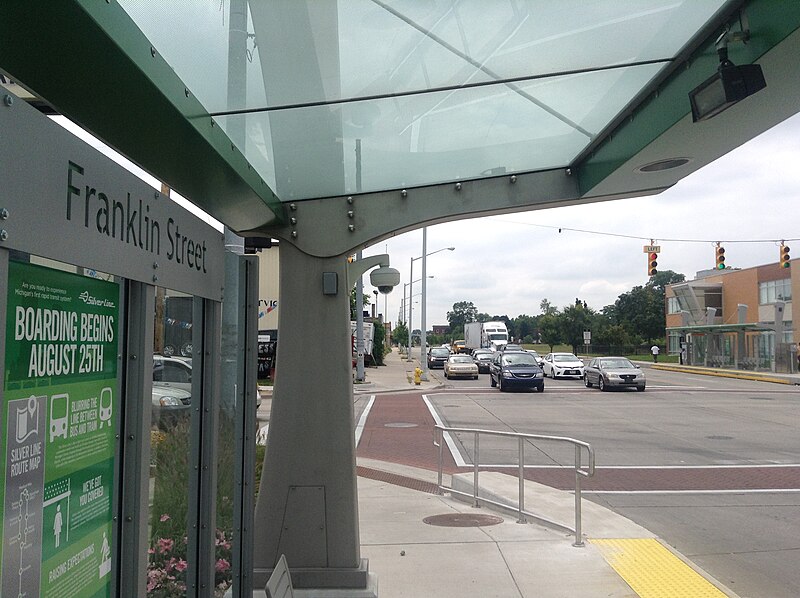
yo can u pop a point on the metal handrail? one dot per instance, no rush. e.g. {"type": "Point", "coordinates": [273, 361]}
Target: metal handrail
{"type": "Point", "coordinates": [521, 438]}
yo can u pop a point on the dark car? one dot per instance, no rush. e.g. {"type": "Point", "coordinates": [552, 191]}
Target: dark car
{"type": "Point", "coordinates": [437, 356]}
{"type": "Point", "coordinates": [516, 369]}
{"type": "Point", "coordinates": [483, 359]}
{"type": "Point", "coordinates": [511, 347]}
{"type": "Point", "coordinates": [613, 372]}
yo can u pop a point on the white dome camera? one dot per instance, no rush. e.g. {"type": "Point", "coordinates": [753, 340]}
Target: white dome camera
{"type": "Point", "coordinates": [385, 278]}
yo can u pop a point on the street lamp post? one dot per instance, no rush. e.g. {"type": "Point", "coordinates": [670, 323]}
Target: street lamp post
{"type": "Point", "coordinates": [422, 340]}
{"type": "Point", "coordinates": [406, 304]}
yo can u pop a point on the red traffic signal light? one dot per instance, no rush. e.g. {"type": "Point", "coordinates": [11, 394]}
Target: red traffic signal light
{"type": "Point", "coordinates": [720, 258]}
{"type": "Point", "coordinates": [784, 261]}
{"type": "Point", "coordinates": [652, 264]}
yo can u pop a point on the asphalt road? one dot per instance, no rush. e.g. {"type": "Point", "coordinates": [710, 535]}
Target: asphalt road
{"type": "Point", "coordinates": [711, 465]}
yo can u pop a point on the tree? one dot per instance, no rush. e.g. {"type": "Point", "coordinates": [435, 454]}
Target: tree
{"type": "Point", "coordinates": [549, 329]}
{"type": "Point", "coordinates": [400, 334]}
{"type": "Point", "coordinates": [641, 312]}
{"type": "Point", "coordinates": [613, 335]}
{"type": "Point", "coordinates": [525, 326]}
{"type": "Point", "coordinates": [547, 307]}
{"type": "Point", "coordinates": [365, 302]}
{"type": "Point", "coordinates": [661, 280]}
{"type": "Point", "coordinates": [574, 319]}
{"type": "Point", "coordinates": [378, 348]}
{"type": "Point", "coordinates": [463, 312]}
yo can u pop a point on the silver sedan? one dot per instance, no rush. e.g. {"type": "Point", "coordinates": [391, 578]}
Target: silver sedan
{"type": "Point", "coordinates": [460, 366]}
{"type": "Point", "coordinates": [613, 372]}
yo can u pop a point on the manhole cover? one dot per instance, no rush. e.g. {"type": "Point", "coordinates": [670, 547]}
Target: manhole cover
{"type": "Point", "coordinates": [463, 520]}
{"type": "Point", "coordinates": [720, 437]}
{"type": "Point", "coordinates": [400, 425]}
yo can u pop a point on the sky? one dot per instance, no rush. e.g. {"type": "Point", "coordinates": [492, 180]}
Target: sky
{"type": "Point", "coordinates": [506, 265]}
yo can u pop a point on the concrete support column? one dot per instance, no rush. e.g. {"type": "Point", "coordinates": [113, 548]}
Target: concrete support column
{"type": "Point", "coordinates": [307, 505]}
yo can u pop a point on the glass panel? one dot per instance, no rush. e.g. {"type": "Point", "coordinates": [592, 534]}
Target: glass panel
{"type": "Point", "coordinates": [226, 488]}
{"type": "Point", "coordinates": [435, 137]}
{"type": "Point", "coordinates": [367, 47]}
{"type": "Point", "coordinates": [170, 449]}
{"type": "Point", "coordinates": [406, 51]}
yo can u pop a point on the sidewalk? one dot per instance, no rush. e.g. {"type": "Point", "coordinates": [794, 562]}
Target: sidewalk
{"type": "Point", "coordinates": [396, 375]}
{"type": "Point", "coordinates": [728, 373]}
{"type": "Point", "coordinates": [470, 554]}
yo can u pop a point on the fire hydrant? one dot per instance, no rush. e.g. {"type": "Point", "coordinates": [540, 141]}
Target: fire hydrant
{"type": "Point", "coordinates": [417, 376]}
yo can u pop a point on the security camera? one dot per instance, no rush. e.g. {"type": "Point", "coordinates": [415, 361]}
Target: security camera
{"type": "Point", "coordinates": [385, 278]}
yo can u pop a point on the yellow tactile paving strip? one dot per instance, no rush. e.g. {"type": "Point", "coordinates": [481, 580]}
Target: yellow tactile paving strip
{"type": "Point", "coordinates": [653, 571]}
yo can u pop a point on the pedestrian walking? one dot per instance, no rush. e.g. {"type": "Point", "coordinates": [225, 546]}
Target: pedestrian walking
{"type": "Point", "coordinates": [654, 350]}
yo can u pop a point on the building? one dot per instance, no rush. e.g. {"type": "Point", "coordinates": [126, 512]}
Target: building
{"type": "Point", "coordinates": [736, 318]}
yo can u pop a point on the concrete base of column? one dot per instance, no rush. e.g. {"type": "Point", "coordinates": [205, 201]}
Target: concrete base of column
{"type": "Point", "coordinates": [326, 582]}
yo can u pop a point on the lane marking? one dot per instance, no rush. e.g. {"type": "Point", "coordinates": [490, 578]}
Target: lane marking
{"type": "Point", "coordinates": [727, 491]}
{"type": "Point", "coordinates": [644, 467]}
{"type": "Point", "coordinates": [363, 419]}
{"type": "Point", "coordinates": [459, 460]}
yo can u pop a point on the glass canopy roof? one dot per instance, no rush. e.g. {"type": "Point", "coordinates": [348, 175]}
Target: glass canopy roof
{"type": "Point", "coordinates": [326, 98]}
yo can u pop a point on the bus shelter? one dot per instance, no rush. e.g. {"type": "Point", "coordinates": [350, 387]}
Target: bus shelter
{"type": "Point", "coordinates": [329, 125]}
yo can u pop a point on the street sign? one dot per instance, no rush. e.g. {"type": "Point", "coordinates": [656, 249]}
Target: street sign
{"type": "Point", "coordinates": [587, 337]}
{"type": "Point", "coordinates": [652, 249]}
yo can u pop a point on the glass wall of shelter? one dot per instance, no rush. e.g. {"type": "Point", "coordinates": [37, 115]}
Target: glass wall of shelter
{"type": "Point", "coordinates": [746, 347]}
{"type": "Point", "coordinates": [127, 417]}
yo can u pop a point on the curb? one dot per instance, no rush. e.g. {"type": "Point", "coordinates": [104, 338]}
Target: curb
{"type": "Point", "coordinates": [723, 373]}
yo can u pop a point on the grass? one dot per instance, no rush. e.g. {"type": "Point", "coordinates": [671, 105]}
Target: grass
{"type": "Point", "coordinates": [545, 349]}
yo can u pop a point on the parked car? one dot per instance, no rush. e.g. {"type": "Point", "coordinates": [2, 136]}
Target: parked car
{"type": "Point", "coordinates": [539, 359]}
{"type": "Point", "coordinates": [460, 366]}
{"type": "Point", "coordinates": [170, 404]}
{"type": "Point", "coordinates": [176, 372]}
{"type": "Point", "coordinates": [437, 356]}
{"type": "Point", "coordinates": [483, 359]}
{"type": "Point", "coordinates": [515, 369]}
{"type": "Point", "coordinates": [562, 364]}
{"type": "Point", "coordinates": [613, 372]}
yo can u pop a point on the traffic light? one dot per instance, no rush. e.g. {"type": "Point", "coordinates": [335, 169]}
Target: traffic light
{"type": "Point", "coordinates": [652, 264]}
{"type": "Point", "coordinates": [785, 256]}
{"type": "Point", "coordinates": [720, 258]}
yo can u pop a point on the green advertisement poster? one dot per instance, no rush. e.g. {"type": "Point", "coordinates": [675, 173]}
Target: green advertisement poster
{"type": "Point", "coordinates": [58, 424]}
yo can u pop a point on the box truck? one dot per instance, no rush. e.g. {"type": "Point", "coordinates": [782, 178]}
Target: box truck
{"type": "Point", "coordinates": [486, 335]}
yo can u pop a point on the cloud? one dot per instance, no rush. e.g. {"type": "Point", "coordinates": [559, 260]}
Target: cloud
{"type": "Point", "coordinates": [508, 264]}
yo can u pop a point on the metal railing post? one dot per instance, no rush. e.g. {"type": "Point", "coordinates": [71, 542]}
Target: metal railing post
{"type": "Point", "coordinates": [477, 446]}
{"type": "Point", "coordinates": [441, 457]}
{"type": "Point", "coordinates": [521, 475]}
{"type": "Point", "coordinates": [578, 533]}
{"type": "Point", "coordinates": [523, 515]}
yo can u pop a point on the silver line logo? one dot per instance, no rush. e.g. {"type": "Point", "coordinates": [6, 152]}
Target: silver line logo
{"type": "Point", "coordinates": [89, 300]}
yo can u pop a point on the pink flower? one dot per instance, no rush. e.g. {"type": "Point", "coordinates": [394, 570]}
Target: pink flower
{"type": "Point", "coordinates": [222, 565]}
{"type": "Point", "coordinates": [164, 517]}
{"type": "Point", "coordinates": [165, 544]}
{"type": "Point", "coordinates": [154, 577]}
{"type": "Point", "coordinates": [181, 565]}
